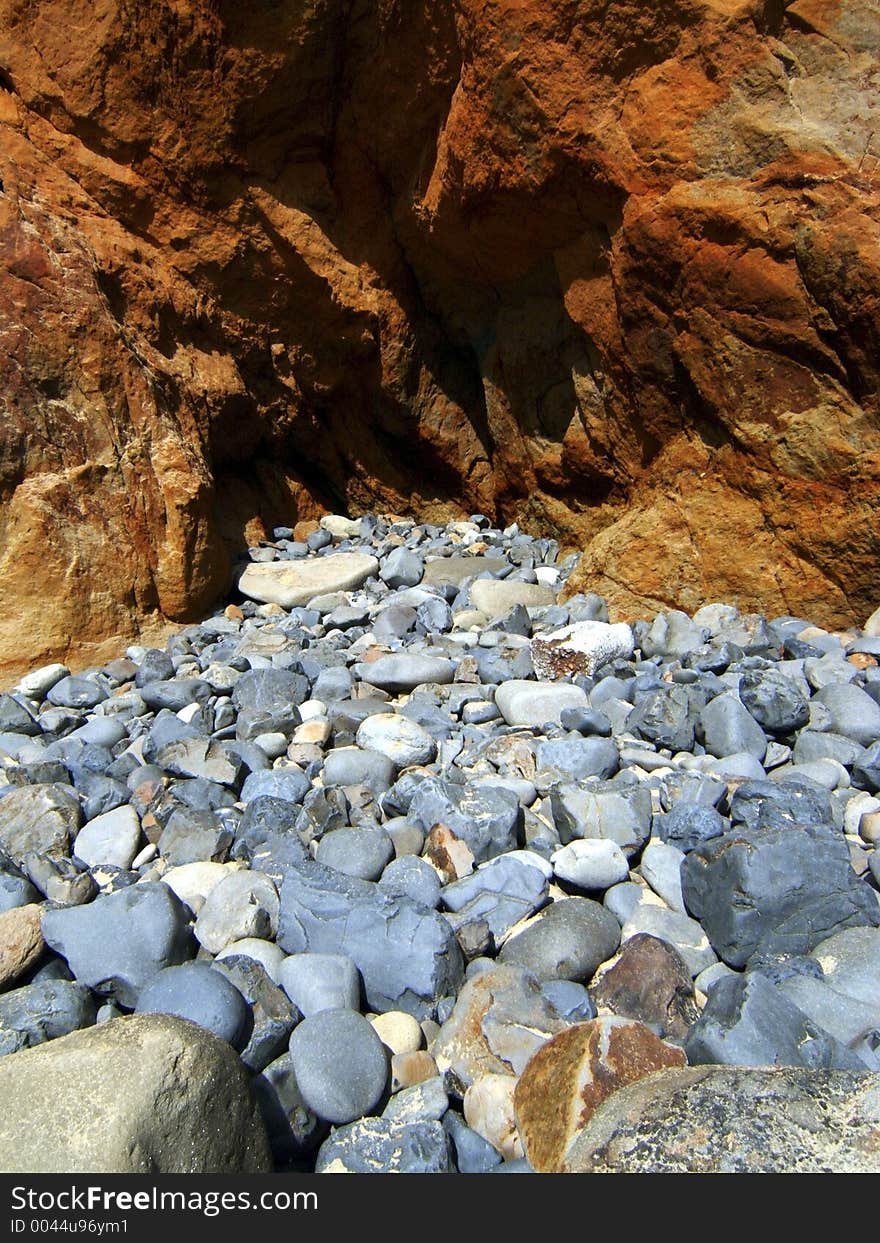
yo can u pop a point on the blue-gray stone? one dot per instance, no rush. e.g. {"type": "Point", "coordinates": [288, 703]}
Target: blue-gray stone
{"type": "Point", "coordinates": [473, 1154]}
{"type": "Point", "coordinates": [775, 700]}
{"type": "Point", "coordinates": [43, 1011]}
{"type": "Point", "coordinates": [567, 941]}
{"type": "Point", "coordinates": [273, 1017]}
{"type": "Point", "coordinates": [361, 852]}
{"type": "Point", "coordinates": [316, 982]}
{"type": "Point", "coordinates": [407, 955]}
{"type": "Point", "coordinates": [289, 784]}
{"type": "Point", "coordinates": [197, 992]}
{"type": "Point", "coordinates": [117, 943]}
{"type": "Point", "coordinates": [341, 1065]}
{"type": "Point", "coordinates": [688, 825]}
{"type": "Point", "coordinates": [488, 820]}
{"type": "Point", "coordinates": [413, 878]}
{"type": "Point", "coordinates": [579, 758]}
{"type": "Point", "coordinates": [571, 1000]}
{"type": "Point", "coordinates": [76, 692]}
{"type": "Point", "coordinates": [727, 728]}
{"type": "Point", "coordinates": [383, 1145]}
{"type": "Point", "coordinates": [774, 890]}
{"type": "Point", "coordinates": [267, 702]}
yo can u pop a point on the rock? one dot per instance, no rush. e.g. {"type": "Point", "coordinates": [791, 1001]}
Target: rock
{"type": "Point", "coordinates": [488, 1110]}
{"type": "Point", "coordinates": [473, 1154]}
{"type": "Point", "coordinates": [267, 700]}
{"type": "Point", "coordinates": [534, 703]}
{"type": "Point", "coordinates": [650, 982]}
{"type": "Point", "coordinates": [294, 583]}
{"type": "Point", "coordinates": [774, 700]}
{"type": "Point", "coordinates": [352, 766]}
{"type": "Point", "coordinates": [188, 1106]}
{"type": "Point", "coordinates": [714, 1119]}
{"type": "Point", "coordinates": [853, 713]}
{"type": "Point", "coordinates": [688, 825]}
{"type": "Point", "coordinates": [39, 682]}
{"type": "Point", "coordinates": [579, 648]}
{"type": "Point", "coordinates": [16, 891]}
{"type": "Point", "coordinates": [660, 865]}
{"type": "Point", "coordinates": [494, 597]}
{"type": "Point", "coordinates": [402, 568]}
{"type": "Point", "coordinates": [487, 819]}
{"type": "Point", "coordinates": [288, 784]}
{"type": "Point", "coordinates": [269, 955]}
{"type": "Point", "coordinates": [414, 878]}
{"type": "Point", "coordinates": [39, 819]}
{"type": "Point", "coordinates": [196, 992]}
{"type": "Point", "coordinates": [360, 852]}
{"type": "Point", "coordinates": [383, 1145]}
{"type": "Point", "coordinates": [410, 1069]}
{"type": "Point", "coordinates": [499, 1020]}
{"type": "Point", "coordinates": [566, 941]}
{"type": "Point", "coordinates": [748, 1021]}
{"type": "Point", "coordinates": [591, 863]}
{"type": "Point", "coordinates": [577, 758]}
{"type": "Point", "coordinates": [316, 982]}
{"type": "Point", "coordinates": [407, 956]}
{"type": "Point", "coordinates": [682, 933]}
{"type": "Point", "coordinates": [271, 1016]}
{"type": "Point", "coordinates": [293, 1129]}
{"type": "Point", "coordinates": [774, 889]}
{"type": "Point", "coordinates": [451, 858]}
{"type": "Point", "coordinates": [43, 1010]}
{"type": "Point", "coordinates": [192, 882]}
{"type": "Point", "coordinates": [849, 1020]}
{"type": "Point", "coordinates": [401, 740]}
{"type": "Point", "coordinates": [194, 837]}
{"type": "Point", "coordinates": [849, 962]}
{"type": "Point", "coordinates": [568, 1079]}
{"type": "Point", "coordinates": [340, 1065]}
{"type": "Point", "coordinates": [242, 905]}
{"type": "Point", "coordinates": [112, 838]}
{"type": "Point", "coordinates": [606, 811]}
{"type": "Point", "coordinates": [117, 943]}
{"type": "Point", "coordinates": [427, 1101]}
{"type": "Point", "coordinates": [728, 729]}
{"type": "Point", "coordinates": [21, 942]}
{"type": "Point", "coordinates": [663, 716]}
{"type": "Point", "coordinates": [404, 672]}
{"type": "Point", "coordinates": [399, 1032]}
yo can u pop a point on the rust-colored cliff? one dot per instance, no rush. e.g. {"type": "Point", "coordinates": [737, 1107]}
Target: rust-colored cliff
{"type": "Point", "coordinates": [607, 268]}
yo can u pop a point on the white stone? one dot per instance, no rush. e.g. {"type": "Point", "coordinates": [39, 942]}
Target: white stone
{"type": "Point", "coordinates": [111, 838]}
{"type": "Point", "coordinates": [488, 1110]}
{"type": "Point", "coordinates": [266, 953]}
{"type": "Point", "coordinates": [399, 1032]}
{"type": "Point", "coordinates": [272, 745]}
{"type": "Point", "coordinates": [582, 647]}
{"type": "Point", "coordinates": [533, 703]}
{"type": "Point", "coordinates": [859, 805]}
{"type": "Point", "coordinates": [401, 740]}
{"type": "Point", "coordinates": [312, 708]}
{"type": "Point", "coordinates": [242, 905]}
{"type": "Point", "coordinates": [293, 583]}
{"type": "Point", "coordinates": [591, 863]}
{"type": "Point", "coordinates": [39, 682]}
{"type": "Point", "coordinates": [192, 882]}
{"type": "Point", "coordinates": [341, 527]}
{"type": "Point", "coordinates": [189, 713]}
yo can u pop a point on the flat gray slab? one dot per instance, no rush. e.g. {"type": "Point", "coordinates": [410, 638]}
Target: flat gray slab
{"type": "Point", "coordinates": [293, 583]}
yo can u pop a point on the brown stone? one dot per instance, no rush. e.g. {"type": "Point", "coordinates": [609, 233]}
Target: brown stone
{"type": "Point", "coordinates": [21, 942]}
{"type": "Point", "coordinates": [651, 982]}
{"type": "Point", "coordinates": [500, 1019]}
{"type": "Point", "coordinates": [302, 530]}
{"type": "Point", "coordinates": [608, 272]}
{"type": "Point", "coordinates": [448, 854]}
{"type": "Point", "coordinates": [572, 1074]}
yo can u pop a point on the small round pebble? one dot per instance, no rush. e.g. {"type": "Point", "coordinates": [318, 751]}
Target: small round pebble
{"type": "Point", "coordinates": [340, 1064]}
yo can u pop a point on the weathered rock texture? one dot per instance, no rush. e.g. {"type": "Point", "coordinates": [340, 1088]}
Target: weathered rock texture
{"type": "Point", "coordinates": [188, 1105]}
{"type": "Point", "coordinates": [608, 268]}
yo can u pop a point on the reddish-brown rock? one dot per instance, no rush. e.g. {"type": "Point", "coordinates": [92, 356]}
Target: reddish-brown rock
{"type": "Point", "coordinates": [650, 982]}
{"type": "Point", "coordinates": [21, 942]}
{"type": "Point", "coordinates": [608, 270]}
{"type": "Point", "coordinates": [570, 1076]}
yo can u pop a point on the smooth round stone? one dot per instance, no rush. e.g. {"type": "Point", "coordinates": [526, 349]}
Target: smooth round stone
{"type": "Point", "coordinates": [414, 878]}
{"type": "Point", "coordinates": [316, 982]}
{"type": "Point", "coordinates": [353, 766]}
{"type": "Point", "coordinates": [274, 744]}
{"type": "Point", "coordinates": [495, 597]}
{"type": "Point", "coordinates": [192, 882]}
{"type": "Point", "coordinates": [853, 713]}
{"type": "Point", "coordinates": [269, 955]}
{"type": "Point", "coordinates": [196, 992]}
{"type": "Point", "coordinates": [405, 671]}
{"type": "Point", "coordinates": [592, 863]}
{"type": "Point", "coordinates": [407, 838]}
{"type": "Point", "coordinates": [399, 1032]}
{"type": "Point", "coordinates": [362, 853]}
{"type": "Point", "coordinates": [76, 692]}
{"type": "Point", "coordinates": [537, 703]}
{"type": "Point", "coordinates": [112, 838]}
{"type": "Point", "coordinates": [402, 568]}
{"type": "Point", "coordinates": [340, 1064]}
{"type": "Point", "coordinates": [38, 683]}
{"type": "Point", "coordinates": [101, 731]}
{"type": "Point", "coordinates": [567, 941]}
{"type": "Point", "coordinates": [401, 740]}
{"type": "Point", "coordinates": [293, 583]}
{"type": "Point", "coordinates": [488, 1110]}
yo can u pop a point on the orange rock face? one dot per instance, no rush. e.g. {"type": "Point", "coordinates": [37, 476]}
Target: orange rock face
{"type": "Point", "coordinates": [610, 270]}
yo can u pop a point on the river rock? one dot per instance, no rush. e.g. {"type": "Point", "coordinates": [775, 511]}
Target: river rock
{"type": "Point", "coordinates": [21, 942]}
{"type": "Point", "coordinates": [341, 1065]}
{"type": "Point", "coordinates": [566, 941]}
{"type": "Point", "coordinates": [42, 819]}
{"type": "Point", "coordinates": [197, 992]}
{"type": "Point", "coordinates": [570, 1076]}
{"type": "Point", "coordinates": [725, 1120]}
{"type": "Point", "coordinates": [292, 583]}
{"type": "Point", "coordinates": [117, 943]}
{"type": "Point", "coordinates": [386, 1145]}
{"type": "Point", "coordinates": [243, 904]}
{"type": "Point", "coordinates": [43, 1010]}
{"type": "Point", "coordinates": [112, 838]}
{"type": "Point", "coordinates": [536, 703]}
{"type": "Point", "coordinates": [651, 982]}
{"type": "Point", "coordinates": [188, 1108]}
{"type": "Point", "coordinates": [402, 740]}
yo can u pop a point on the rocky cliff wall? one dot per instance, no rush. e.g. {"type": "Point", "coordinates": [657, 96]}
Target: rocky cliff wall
{"type": "Point", "coordinates": [610, 268]}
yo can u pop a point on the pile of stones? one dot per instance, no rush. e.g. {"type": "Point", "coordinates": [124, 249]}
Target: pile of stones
{"type": "Point", "coordinates": [415, 838]}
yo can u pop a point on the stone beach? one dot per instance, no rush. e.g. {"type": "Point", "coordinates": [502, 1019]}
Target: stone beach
{"type": "Point", "coordinates": [411, 860]}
